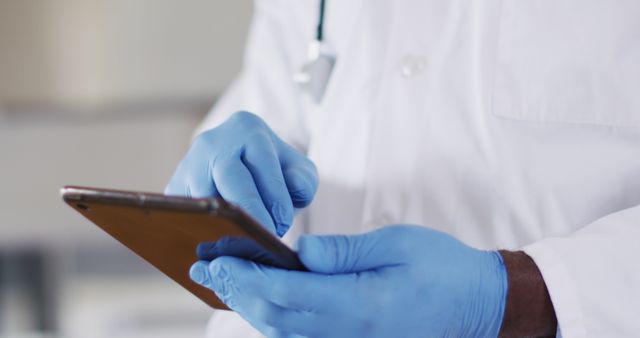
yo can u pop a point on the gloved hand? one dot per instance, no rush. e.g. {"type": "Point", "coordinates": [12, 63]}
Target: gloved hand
{"type": "Point", "coordinates": [399, 281]}
{"type": "Point", "coordinates": [245, 163]}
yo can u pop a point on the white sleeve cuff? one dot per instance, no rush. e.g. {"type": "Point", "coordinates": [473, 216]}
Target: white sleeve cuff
{"type": "Point", "coordinates": [562, 289]}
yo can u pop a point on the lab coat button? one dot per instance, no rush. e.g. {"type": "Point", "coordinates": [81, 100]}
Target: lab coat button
{"type": "Point", "coordinates": [413, 64]}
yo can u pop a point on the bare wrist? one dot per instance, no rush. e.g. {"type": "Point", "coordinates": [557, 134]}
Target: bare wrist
{"type": "Point", "coordinates": [528, 310]}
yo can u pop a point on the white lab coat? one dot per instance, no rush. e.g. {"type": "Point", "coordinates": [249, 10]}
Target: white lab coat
{"type": "Point", "coordinates": [508, 124]}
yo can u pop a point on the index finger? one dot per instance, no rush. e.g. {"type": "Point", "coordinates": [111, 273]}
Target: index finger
{"type": "Point", "coordinates": [236, 185]}
{"type": "Point", "coordinates": [262, 161]}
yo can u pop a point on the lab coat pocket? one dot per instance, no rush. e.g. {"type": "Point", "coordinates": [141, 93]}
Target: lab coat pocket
{"type": "Point", "coordinates": [569, 61]}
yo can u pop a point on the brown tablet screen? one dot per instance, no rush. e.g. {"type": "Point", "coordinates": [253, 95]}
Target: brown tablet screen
{"type": "Point", "coordinates": [165, 231]}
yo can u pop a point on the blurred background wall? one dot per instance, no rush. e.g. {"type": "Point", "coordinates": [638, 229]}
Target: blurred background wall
{"type": "Point", "coordinates": [101, 93]}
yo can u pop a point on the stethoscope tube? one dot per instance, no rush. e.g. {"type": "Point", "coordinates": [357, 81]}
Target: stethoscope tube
{"type": "Point", "coordinates": [314, 75]}
{"type": "Point", "coordinates": [320, 28]}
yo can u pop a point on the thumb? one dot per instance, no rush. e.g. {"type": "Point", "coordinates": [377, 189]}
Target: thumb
{"type": "Point", "coordinates": [346, 254]}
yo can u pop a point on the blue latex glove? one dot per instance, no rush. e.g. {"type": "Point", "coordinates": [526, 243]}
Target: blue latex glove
{"type": "Point", "coordinates": [245, 163]}
{"type": "Point", "coordinates": [399, 281]}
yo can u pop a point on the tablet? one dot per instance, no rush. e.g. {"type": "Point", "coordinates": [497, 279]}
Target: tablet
{"type": "Point", "coordinates": [165, 231]}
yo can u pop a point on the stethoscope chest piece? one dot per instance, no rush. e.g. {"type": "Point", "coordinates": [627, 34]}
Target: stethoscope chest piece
{"type": "Point", "coordinates": [313, 77]}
